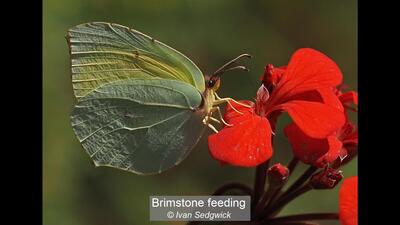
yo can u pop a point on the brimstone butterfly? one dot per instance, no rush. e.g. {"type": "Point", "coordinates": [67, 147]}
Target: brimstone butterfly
{"type": "Point", "coordinates": [141, 105]}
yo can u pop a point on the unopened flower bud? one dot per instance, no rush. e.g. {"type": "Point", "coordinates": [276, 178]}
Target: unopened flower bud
{"type": "Point", "coordinates": [272, 76]}
{"type": "Point", "coordinates": [277, 174]}
{"type": "Point", "coordinates": [261, 99]}
{"type": "Point", "coordinates": [326, 179]}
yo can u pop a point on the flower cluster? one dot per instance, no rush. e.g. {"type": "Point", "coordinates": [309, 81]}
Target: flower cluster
{"type": "Point", "coordinates": [310, 90]}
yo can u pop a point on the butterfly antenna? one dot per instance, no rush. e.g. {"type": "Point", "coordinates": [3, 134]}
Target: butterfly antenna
{"type": "Point", "coordinates": [235, 68]}
{"type": "Point", "coordinates": [225, 68]}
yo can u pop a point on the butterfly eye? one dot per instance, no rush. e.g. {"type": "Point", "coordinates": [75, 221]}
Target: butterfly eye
{"type": "Point", "coordinates": [212, 82]}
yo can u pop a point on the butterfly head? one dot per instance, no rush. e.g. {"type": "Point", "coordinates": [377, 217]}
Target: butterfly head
{"type": "Point", "coordinates": [213, 82]}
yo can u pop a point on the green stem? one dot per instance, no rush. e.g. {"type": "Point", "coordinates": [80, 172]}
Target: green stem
{"type": "Point", "coordinates": [304, 217]}
{"type": "Point", "coordinates": [301, 180]}
{"type": "Point", "coordinates": [271, 201]}
{"type": "Point", "coordinates": [259, 183]}
{"type": "Point", "coordinates": [291, 167]}
{"type": "Point", "coordinates": [264, 200]}
{"type": "Point", "coordinates": [261, 175]}
{"type": "Point", "coordinates": [293, 223]}
{"type": "Point", "coordinates": [193, 222]}
{"type": "Point", "coordinates": [224, 188]}
{"type": "Point", "coordinates": [285, 199]}
{"type": "Point", "coordinates": [234, 185]}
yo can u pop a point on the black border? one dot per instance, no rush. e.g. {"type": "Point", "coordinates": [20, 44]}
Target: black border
{"type": "Point", "coordinates": [21, 86]}
{"type": "Point", "coordinates": [377, 108]}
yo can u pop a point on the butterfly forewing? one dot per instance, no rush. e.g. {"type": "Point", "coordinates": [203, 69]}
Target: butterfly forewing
{"type": "Point", "coordinates": [103, 52]}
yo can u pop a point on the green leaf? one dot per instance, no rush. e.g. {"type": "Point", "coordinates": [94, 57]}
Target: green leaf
{"type": "Point", "coordinates": [102, 53]}
{"type": "Point", "coordinates": [143, 126]}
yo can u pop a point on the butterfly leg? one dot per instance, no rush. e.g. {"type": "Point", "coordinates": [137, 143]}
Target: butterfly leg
{"type": "Point", "coordinates": [218, 109]}
{"type": "Point", "coordinates": [220, 101]}
{"type": "Point", "coordinates": [215, 120]}
{"type": "Point", "coordinates": [212, 128]}
{"type": "Point", "coordinates": [207, 120]}
{"type": "Point", "coordinates": [230, 99]}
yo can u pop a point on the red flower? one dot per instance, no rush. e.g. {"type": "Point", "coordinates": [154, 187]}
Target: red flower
{"type": "Point", "coordinates": [340, 145]}
{"type": "Point", "coordinates": [296, 89]}
{"type": "Point", "coordinates": [247, 142]}
{"type": "Point", "coordinates": [348, 201]}
{"type": "Point", "coordinates": [347, 99]}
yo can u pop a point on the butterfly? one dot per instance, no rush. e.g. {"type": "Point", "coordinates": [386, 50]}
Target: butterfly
{"type": "Point", "coordinates": [141, 105]}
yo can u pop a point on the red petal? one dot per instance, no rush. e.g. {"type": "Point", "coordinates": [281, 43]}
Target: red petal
{"type": "Point", "coordinates": [330, 98]}
{"type": "Point", "coordinates": [308, 69]}
{"type": "Point", "coordinates": [231, 115]}
{"type": "Point", "coordinates": [317, 120]}
{"type": "Point", "coordinates": [312, 96]}
{"type": "Point", "coordinates": [317, 152]}
{"type": "Point", "coordinates": [247, 143]}
{"type": "Point", "coordinates": [323, 95]}
{"type": "Point", "coordinates": [348, 204]}
{"type": "Point", "coordinates": [348, 98]}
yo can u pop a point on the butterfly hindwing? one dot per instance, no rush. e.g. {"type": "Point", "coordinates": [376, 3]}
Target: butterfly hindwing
{"type": "Point", "coordinates": [143, 126]}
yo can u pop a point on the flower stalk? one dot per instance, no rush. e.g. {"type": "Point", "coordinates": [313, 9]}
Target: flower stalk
{"type": "Point", "coordinates": [259, 183]}
{"type": "Point", "coordinates": [232, 186]}
{"type": "Point", "coordinates": [285, 199]}
{"type": "Point", "coordinates": [301, 180]}
{"type": "Point", "coordinates": [303, 217]}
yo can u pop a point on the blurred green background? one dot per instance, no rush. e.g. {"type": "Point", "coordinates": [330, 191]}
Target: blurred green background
{"type": "Point", "coordinates": [209, 33]}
